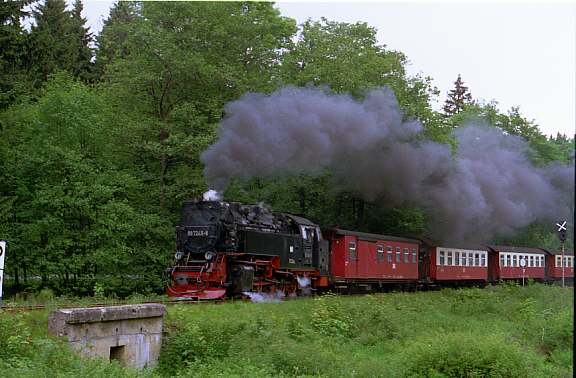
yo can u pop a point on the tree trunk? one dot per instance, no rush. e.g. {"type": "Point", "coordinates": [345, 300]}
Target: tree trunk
{"type": "Point", "coordinates": [163, 168]}
{"type": "Point", "coordinates": [16, 279]}
{"type": "Point", "coordinates": [302, 200]}
{"type": "Point", "coordinates": [359, 213]}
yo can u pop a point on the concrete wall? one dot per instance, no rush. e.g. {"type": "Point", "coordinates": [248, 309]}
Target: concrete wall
{"type": "Point", "coordinates": [131, 334]}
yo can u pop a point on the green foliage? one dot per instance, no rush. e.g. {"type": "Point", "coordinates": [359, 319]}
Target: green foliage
{"type": "Point", "coordinates": [328, 321]}
{"type": "Point", "coordinates": [462, 354]}
{"type": "Point", "coordinates": [59, 40]}
{"type": "Point", "coordinates": [72, 205]}
{"type": "Point", "coordinates": [112, 40]}
{"type": "Point", "coordinates": [449, 333]}
{"type": "Point", "coordinates": [13, 52]}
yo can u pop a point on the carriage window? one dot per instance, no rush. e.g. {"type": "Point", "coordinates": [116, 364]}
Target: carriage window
{"type": "Point", "coordinates": [508, 260]}
{"type": "Point", "coordinates": [380, 253]}
{"type": "Point", "coordinates": [406, 255]}
{"type": "Point", "coordinates": [477, 259]}
{"type": "Point", "coordinates": [514, 260]}
{"type": "Point", "coordinates": [441, 261]}
{"type": "Point", "coordinates": [352, 250]}
{"type": "Point", "coordinates": [398, 255]}
{"type": "Point", "coordinates": [502, 260]}
{"type": "Point", "coordinates": [449, 254]}
{"type": "Point", "coordinates": [456, 258]}
{"type": "Point", "coordinates": [463, 259]}
{"type": "Point", "coordinates": [389, 252]}
{"type": "Point", "coordinates": [414, 256]}
{"type": "Point", "coordinates": [558, 260]}
{"type": "Point", "coordinates": [532, 261]}
{"type": "Point", "coordinates": [482, 259]}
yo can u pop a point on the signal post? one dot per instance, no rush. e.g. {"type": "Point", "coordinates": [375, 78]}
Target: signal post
{"type": "Point", "coordinates": [562, 236]}
{"type": "Point", "coordinates": [2, 254]}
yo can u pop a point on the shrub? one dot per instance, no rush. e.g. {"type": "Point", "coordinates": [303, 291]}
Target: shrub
{"type": "Point", "coordinates": [469, 355]}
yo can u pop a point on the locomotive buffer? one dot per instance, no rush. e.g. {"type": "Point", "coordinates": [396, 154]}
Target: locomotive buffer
{"type": "Point", "coordinates": [562, 236]}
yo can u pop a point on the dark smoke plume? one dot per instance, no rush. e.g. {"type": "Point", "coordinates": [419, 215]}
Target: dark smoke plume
{"type": "Point", "coordinates": [488, 188]}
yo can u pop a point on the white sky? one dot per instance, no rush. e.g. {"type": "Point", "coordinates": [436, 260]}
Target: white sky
{"type": "Point", "coordinates": [517, 54]}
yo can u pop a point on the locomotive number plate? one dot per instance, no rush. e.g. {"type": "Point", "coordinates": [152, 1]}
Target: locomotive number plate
{"type": "Point", "coordinates": [198, 233]}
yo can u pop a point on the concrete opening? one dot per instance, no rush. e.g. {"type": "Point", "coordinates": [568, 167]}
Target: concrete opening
{"type": "Point", "coordinates": [131, 335]}
{"type": "Point", "coordinates": [117, 354]}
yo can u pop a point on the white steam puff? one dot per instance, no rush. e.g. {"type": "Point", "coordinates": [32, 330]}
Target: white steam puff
{"type": "Point", "coordinates": [212, 195]}
{"type": "Point", "coordinates": [488, 188]}
{"type": "Point", "coordinates": [264, 297]}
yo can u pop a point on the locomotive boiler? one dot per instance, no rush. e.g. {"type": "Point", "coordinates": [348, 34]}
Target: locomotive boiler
{"type": "Point", "coordinates": [229, 249]}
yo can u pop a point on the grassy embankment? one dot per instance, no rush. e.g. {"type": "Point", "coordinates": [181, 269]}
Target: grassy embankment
{"type": "Point", "coordinates": [504, 331]}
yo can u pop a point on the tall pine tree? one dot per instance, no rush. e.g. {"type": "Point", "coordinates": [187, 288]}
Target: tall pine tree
{"type": "Point", "coordinates": [60, 40]}
{"type": "Point", "coordinates": [82, 66]}
{"type": "Point", "coordinates": [112, 40]}
{"type": "Point", "coordinates": [13, 50]}
{"type": "Point", "coordinates": [457, 98]}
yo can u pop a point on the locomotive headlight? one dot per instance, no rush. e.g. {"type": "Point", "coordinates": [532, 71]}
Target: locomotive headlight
{"type": "Point", "coordinates": [178, 256]}
{"type": "Point", "coordinates": [209, 255]}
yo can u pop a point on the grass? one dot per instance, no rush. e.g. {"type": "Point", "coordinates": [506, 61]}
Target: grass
{"type": "Point", "coordinates": [504, 331]}
{"type": "Point", "coordinates": [46, 297]}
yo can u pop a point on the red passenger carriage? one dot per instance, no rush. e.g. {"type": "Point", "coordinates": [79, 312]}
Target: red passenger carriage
{"type": "Point", "coordinates": [365, 259]}
{"type": "Point", "coordinates": [554, 264]}
{"type": "Point", "coordinates": [456, 265]}
{"type": "Point", "coordinates": [506, 263]}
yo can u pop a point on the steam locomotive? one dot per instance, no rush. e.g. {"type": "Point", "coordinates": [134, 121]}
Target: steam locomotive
{"type": "Point", "coordinates": [231, 250]}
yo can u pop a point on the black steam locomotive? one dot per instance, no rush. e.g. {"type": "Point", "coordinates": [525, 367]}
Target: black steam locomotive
{"type": "Point", "coordinates": [227, 249]}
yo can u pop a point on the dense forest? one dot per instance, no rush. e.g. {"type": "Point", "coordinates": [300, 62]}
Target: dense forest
{"type": "Point", "coordinates": [101, 135]}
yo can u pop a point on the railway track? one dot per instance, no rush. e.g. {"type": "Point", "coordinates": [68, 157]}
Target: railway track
{"type": "Point", "coordinates": [17, 308]}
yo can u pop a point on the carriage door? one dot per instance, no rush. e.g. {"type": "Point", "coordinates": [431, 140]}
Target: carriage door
{"type": "Point", "coordinates": [309, 240]}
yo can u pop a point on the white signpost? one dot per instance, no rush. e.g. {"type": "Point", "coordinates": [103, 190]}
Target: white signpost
{"type": "Point", "coordinates": [523, 265]}
{"type": "Point", "coordinates": [2, 254]}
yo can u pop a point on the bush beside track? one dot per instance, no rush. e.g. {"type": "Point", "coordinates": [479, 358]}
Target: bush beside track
{"type": "Point", "coordinates": [505, 331]}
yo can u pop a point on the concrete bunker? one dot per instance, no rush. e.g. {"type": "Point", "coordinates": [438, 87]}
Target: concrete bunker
{"type": "Point", "coordinates": [130, 334]}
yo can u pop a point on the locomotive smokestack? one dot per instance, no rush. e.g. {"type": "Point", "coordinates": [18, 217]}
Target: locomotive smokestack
{"type": "Point", "coordinates": [487, 188]}
{"type": "Point", "coordinates": [212, 195]}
